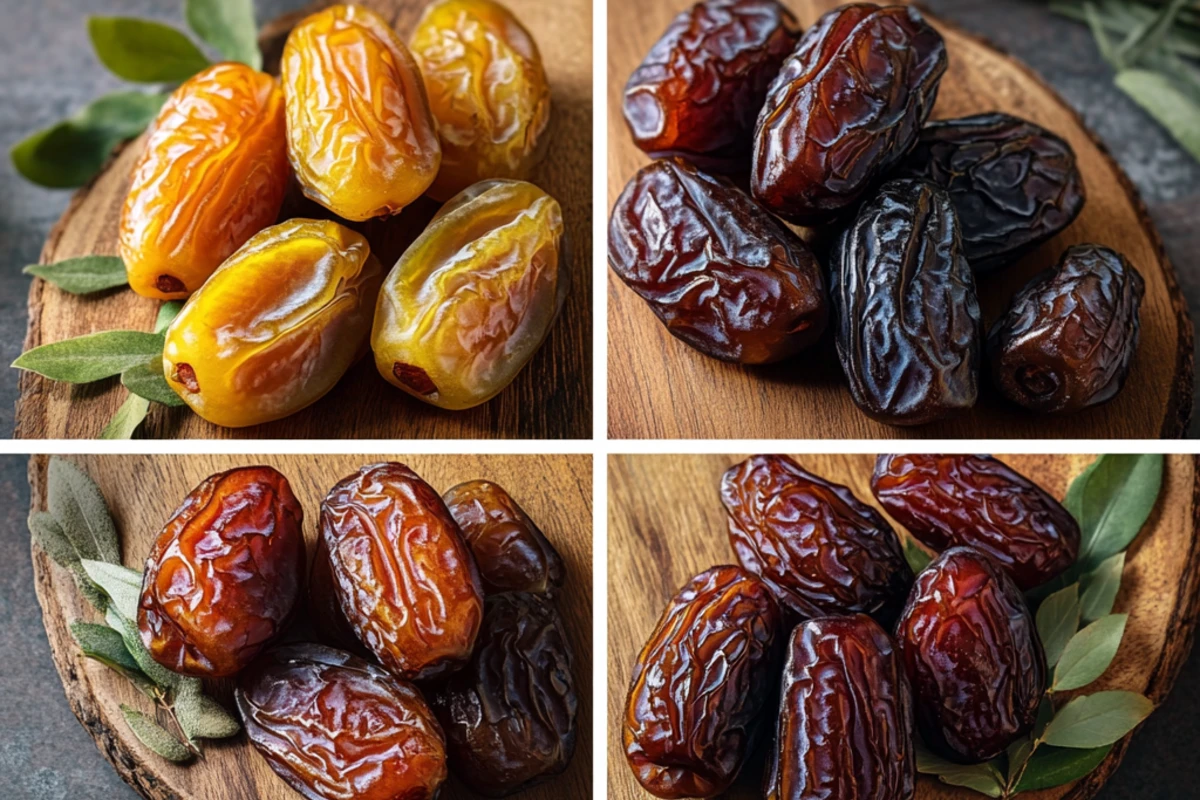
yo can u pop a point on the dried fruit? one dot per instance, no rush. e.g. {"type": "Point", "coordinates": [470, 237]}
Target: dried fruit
{"type": "Point", "coordinates": [213, 173]}
{"type": "Point", "coordinates": [224, 574]}
{"type": "Point", "coordinates": [470, 302]}
{"type": "Point", "coordinates": [721, 273]}
{"type": "Point", "coordinates": [324, 608]}
{"type": "Point", "coordinates": [275, 327]}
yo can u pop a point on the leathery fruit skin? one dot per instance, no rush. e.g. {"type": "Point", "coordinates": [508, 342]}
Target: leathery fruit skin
{"type": "Point", "coordinates": [275, 327]}
{"type": "Point", "coordinates": [212, 174]}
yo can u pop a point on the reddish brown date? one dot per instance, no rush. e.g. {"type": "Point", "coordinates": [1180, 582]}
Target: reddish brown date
{"type": "Point", "coordinates": [845, 727]}
{"type": "Point", "coordinates": [699, 685]}
{"type": "Point", "coordinates": [325, 610]}
{"type": "Point", "coordinates": [979, 502]}
{"type": "Point", "coordinates": [973, 657]}
{"type": "Point", "coordinates": [224, 574]}
{"type": "Point", "coordinates": [336, 727]}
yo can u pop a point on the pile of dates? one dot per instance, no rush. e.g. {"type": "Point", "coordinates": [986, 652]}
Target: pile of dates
{"type": "Point", "coordinates": [818, 640]}
{"type": "Point", "coordinates": [829, 128]}
{"type": "Point", "coordinates": [279, 309]}
{"type": "Point", "coordinates": [438, 647]}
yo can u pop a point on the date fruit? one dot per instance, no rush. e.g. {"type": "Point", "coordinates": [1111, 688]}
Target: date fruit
{"type": "Point", "coordinates": [213, 173]}
{"type": "Point", "coordinates": [336, 727]}
{"type": "Point", "coordinates": [324, 608]}
{"type": "Point", "coordinates": [973, 657]}
{"type": "Point", "coordinates": [722, 275]}
{"type": "Point", "coordinates": [846, 106]}
{"type": "Point", "coordinates": [697, 696]}
{"type": "Point", "coordinates": [697, 93]}
{"type": "Point", "coordinates": [224, 574]}
{"type": "Point", "coordinates": [1068, 339]}
{"type": "Point", "coordinates": [979, 502]}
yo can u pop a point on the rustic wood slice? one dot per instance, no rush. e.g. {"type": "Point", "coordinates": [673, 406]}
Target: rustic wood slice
{"type": "Point", "coordinates": [659, 387]}
{"type": "Point", "coordinates": [551, 398]}
{"type": "Point", "coordinates": [666, 524]}
{"type": "Point", "coordinates": [143, 491]}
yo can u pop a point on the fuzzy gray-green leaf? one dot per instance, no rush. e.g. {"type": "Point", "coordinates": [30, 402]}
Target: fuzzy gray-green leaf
{"type": "Point", "coordinates": [201, 717]}
{"type": "Point", "coordinates": [105, 645]}
{"type": "Point", "coordinates": [167, 313]}
{"type": "Point", "coordinates": [49, 536]}
{"type": "Point", "coordinates": [1089, 653]}
{"type": "Point", "coordinates": [92, 357]}
{"type": "Point", "coordinates": [1057, 621]}
{"type": "Point", "coordinates": [155, 736]}
{"type": "Point", "coordinates": [1097, 720]}
{"type": "Point", "coordinates": [127, 627]}
{"type": "Point", "coordinates": [1100, 587]}
{"type": "Point", "coordinates": [79, 508]}
{"type": "Point", "coordinates": [122, 585]}
{"type": "Point", "coordinates": [83, 275]}
{"type": "Point", "coordinates": [128, 419]}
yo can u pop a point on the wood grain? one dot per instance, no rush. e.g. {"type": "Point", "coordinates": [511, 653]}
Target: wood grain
{"type": "Point", "coordinates": [551, 398]}
{"type": "Point", "coordinates": [142, 492]}
{"type": "Point", "coordinates": [666, 523]}
{"type": "Point", "coordinates": [658, 387]}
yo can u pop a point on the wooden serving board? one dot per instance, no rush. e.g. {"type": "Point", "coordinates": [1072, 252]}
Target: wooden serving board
{"type": "Point", "coordinates": [659, 387]}
{"type": "Point", "coordinates": [143, 491]}
{"type": "Point", "coordinates": [551, 398]}
{"type": "Point", "coordinates": [666, 524]}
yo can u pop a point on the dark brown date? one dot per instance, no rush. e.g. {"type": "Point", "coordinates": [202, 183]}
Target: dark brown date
{"type": "Point", "coordinates": [1069, 337]}
{"type": "Point", "coordinates": [973, 656]}
{"type": "Point", "coordinates": [845, 728]}
{"type": "Point", "coordinates": [336, 727]}
{"type": "Point", "coordinates": [847, 105]}
{"type": "Point", "coordinates": [908, 321]}
{"type": "Point", "coordinates": [697, 93]}
{"type": "Point", "coordinates": [815, 545]}
{"type": "Point", "coordinates": [979, 502]}
{"type": "Point", "coordinates": [721, 273]}
{"type": "Point", "coordinates": [509, 715]}
{"type": "Point", "coordinates": [697, 695]}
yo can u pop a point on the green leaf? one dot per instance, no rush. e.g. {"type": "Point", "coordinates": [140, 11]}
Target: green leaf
{"type": "Point", "coordinates": [92, 357]}
{"type": "Point", "coordinates": [201, 717]}
{"type": "Point", "coordinates": [1097, 720]}
{"type": "Point", "coordinates": [1116, 501]}
{"type": "Point", "coordinates": [82, 275]}
{"type": "Point", "coordinates": [1162, 99]}
{"type": "Point", "coordinates": [105, 645]}
{"type": "Point", "coordinates": [1057, 621]}
{"type": "Point", "coordinates": [155, 736]}
{"type": "Point", "coordinates": [49, 536]}
{"type": "Point", "coordinates": [1150, 37]}
{"type": "Point", "coordinates": [122, 585]}
{"type": "Point", "coordinates": [227, 25]}
{"type": "Point", "coordinates": [977, 777]}
{"type": "Point", "coordinates": [1017, 754]}
{"type": "Point", "coordinates": [128, 419]}
{"type": "Point", "coordinates": [1107, 50]}
{"type": "Point", "coordinates": [146, 380]}
{"type": "Point", "coordinates": [167, 313]}
{"type": "Point", "coordinates": [127, 627]}
{"type": "Point", "coordinates": [143, 51]}
{"type": "Point", "coordinates": [79, 508]}
{"type": "Point", "coordinates": [1054, 766]}
{"type": "Point", "coordinates": [1073, 501]}
{"type": "Point", "coordinates": [1100, 587]}
{"type": "Point", "coordinates": [918, 558]}
{"type": "Point", "coordinates": [1089, 653]}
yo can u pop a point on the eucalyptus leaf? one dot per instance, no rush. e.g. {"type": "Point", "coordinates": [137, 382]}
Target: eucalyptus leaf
{"type": "Point", "coordinates": [1057, 621]}
{"type": "Point", "coordinates": [918, 558]}
{"type": "Point", "coordinates": [144, 51]}
{"type": "Point", "coordinates": [1170, 105]}
{"type": "Point", "coordinates": [167, 313]}
{"type": "Point", "coordinates": [1055, 766]}
{"type": "Point", "coordinates": [227, 25]}
{"type": "Point", "coordinates": [122, 585]}
{"type": "Point", "coordinates": [155, 736]}
{"type": "Point", "coordinates": [82, 275]}
{"type": "Point", "coordinates": [1100, 587]}
{"type": "Point", "coordinates": [1089, 653]}
{"type": "Point", "coordinates": [104, 645]}
{"type": "Point", "coordinates": [92, 357]}
{"type": "Point", "coordinates": [128, 419]}
{"type": "Point", "coordinates": [201, 717]}
{"type": "Point", "coordinates": [1097, 720]}
{"type": "Point", "coordinates": [1117, 499]}
{"type": "Point", "coordinates": [146, 380]}
{"type": "Point", "coordinates": [79, 508]}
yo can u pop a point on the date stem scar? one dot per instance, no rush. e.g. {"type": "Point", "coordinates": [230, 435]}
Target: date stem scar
{"type": "Point", "coordinates": [415, 378]}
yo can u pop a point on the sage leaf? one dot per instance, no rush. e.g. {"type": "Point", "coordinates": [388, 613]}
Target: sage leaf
{"type": "Point", "coordinates": [122, 585]}
{"type": "Point", "coordinates": [127, 627]}
{"type": "Point", "coordinates": [79, 508]}
{"type": "Point", "coordinates": [201, 717]}
{"type": "Point", "coordinates": [144, 51]}
{"type": "Point", "coordinates": [146, 380]}
{"type": "Point", "coordinates": [167, 313]}
{"type": "Point", "coordinates": [105, 645]}
{"type": "Point", "coordinates": [49, 536]}
{"type": "Point", "coordinates": [92, 357]}
{"type": "Point", "coordinates": [155, 736]}
{"type": "Point", "coordinates": [1057, 621]}
{"type": "Point", "coordinates": [1089, 653]}
{"type": "Point", "coordinates": [227, 25]}
{"type": "Point", "coordinates": [1166, 102]}
{"type": "Point", "coordinates": [1100, 587]}
{"type": "Point", "coordinates": [82, 275]}
{"type": "Point", "coordinates": [1097, 720]}
{"type": "Point", "coordinates": [1116, 501]}
{"type": "Point", "coordinates": [128, 419]}
{"type": "Point", "coordinates": [915, 555]}
{"type": "Point", "coordinates": [1054, 766]}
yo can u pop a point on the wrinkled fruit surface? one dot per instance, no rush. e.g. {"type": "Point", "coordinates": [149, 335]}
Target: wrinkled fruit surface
{"type": "Point", "coordinates": [470, 302]}
{"type": "Point", "coordinates": [847, 105]}
{"type": "Point", "coordinates": [276, 326]}
{"type": "Point", "coordinates": [213, 173]}
{"type": "Point", "coordinates": [360, 134]}
{"type": "Point", "coordinates": [1068, 339]}
{"type": "Point", "coordinates": [973, 657]}
{"type": "Point", "coordinates": [335, 727]}
{"type": "Point", "coordinates": [721, 273]}
{"type": "Point", "coordinates": [224, 574]}
{"type": "Point", "coordinates": [699, 685]}
{"type": "Point", "coordinates": [909, 325]}
{"type": "Point", "coordinates": [324, 608]}
{"type": "Point", "coordinates": [979, 502]}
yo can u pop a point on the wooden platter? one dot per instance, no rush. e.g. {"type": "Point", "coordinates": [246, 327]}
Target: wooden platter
{"type": "Point", "coordinates": [659, 387]}
{"type": "Point", "coordinates": [550, 399]}
{"type": "Point", "coordinates": [142, 492]}
{"type": "Point", "coordinates": [666, 524]}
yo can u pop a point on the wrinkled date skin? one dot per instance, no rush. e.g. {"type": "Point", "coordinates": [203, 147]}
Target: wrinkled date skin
{"type": "Point", "coordinates": [1013, 184]}
{"type": "Point", "coordinates": [471, 301]}
{"type": "Point", "coordinates": [909, 327]}
{"type": "Point", "coordinates": [697, 93]}
{"type": "Point", "coordinates": [336, 727]}
{"type": "Point", "coordinates": [698, 691]}
{"type": "Point", "coordinates": [324, 608]}
{"type": "Point", "coordinates": [509, 715]}
{"type": "Point", "coordinates": [973, 657]}
{"type": "Point", "coordinates": [847, 105]}
{"type": "Point", "coordinates": [979, 502]}
{"type": "Point", "coordinates": [1068, 339]}
{"type": "Point", "coordinates": [224, 574]}
{"type": "Point", "coordinates": [512, 553]}
{"type": "Point", "coordinates": [487, 90]}
{"type": "Point", "coordinates": [721, 274]}
{"type": "Point", "coordinates": [818, 548]}
{"type": "Point", "coordinates": [360, 134]}
{"type": "Point", "coordinates": [845, 727]}
{"type": "Point", "coordinates": [275, 327]}
{"type": "Point", "coordinates": [213, 173]}
{"type": "Point", "coordinates": [404, 577]}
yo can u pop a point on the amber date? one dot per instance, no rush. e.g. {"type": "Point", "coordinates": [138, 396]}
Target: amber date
{"type": "Point", "coordinates": [847, 105]}
{"type": "Point", "coordinates": [224, 574]}
{"type": "Point", "coordinates": [721, 273]}
{"type": "Point", "coordinates": [973, 656]}
{"type": "Point", "coordinates": [509, 715]}
{"type": "Point", "coordinates": [908, 321]}
{"type": "Point", "coordinates": [335, 727]}
{"type": "Point", "coordinates": [1069, 337]}
{"type": "Point", "coordinates": [699, 685]}
{"type": "Point", "coordinates": [697, 93]}
{"type": "Point", "coordinates": [845, 727]}
{"type": "Point", "coordinates": [324, 608]}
